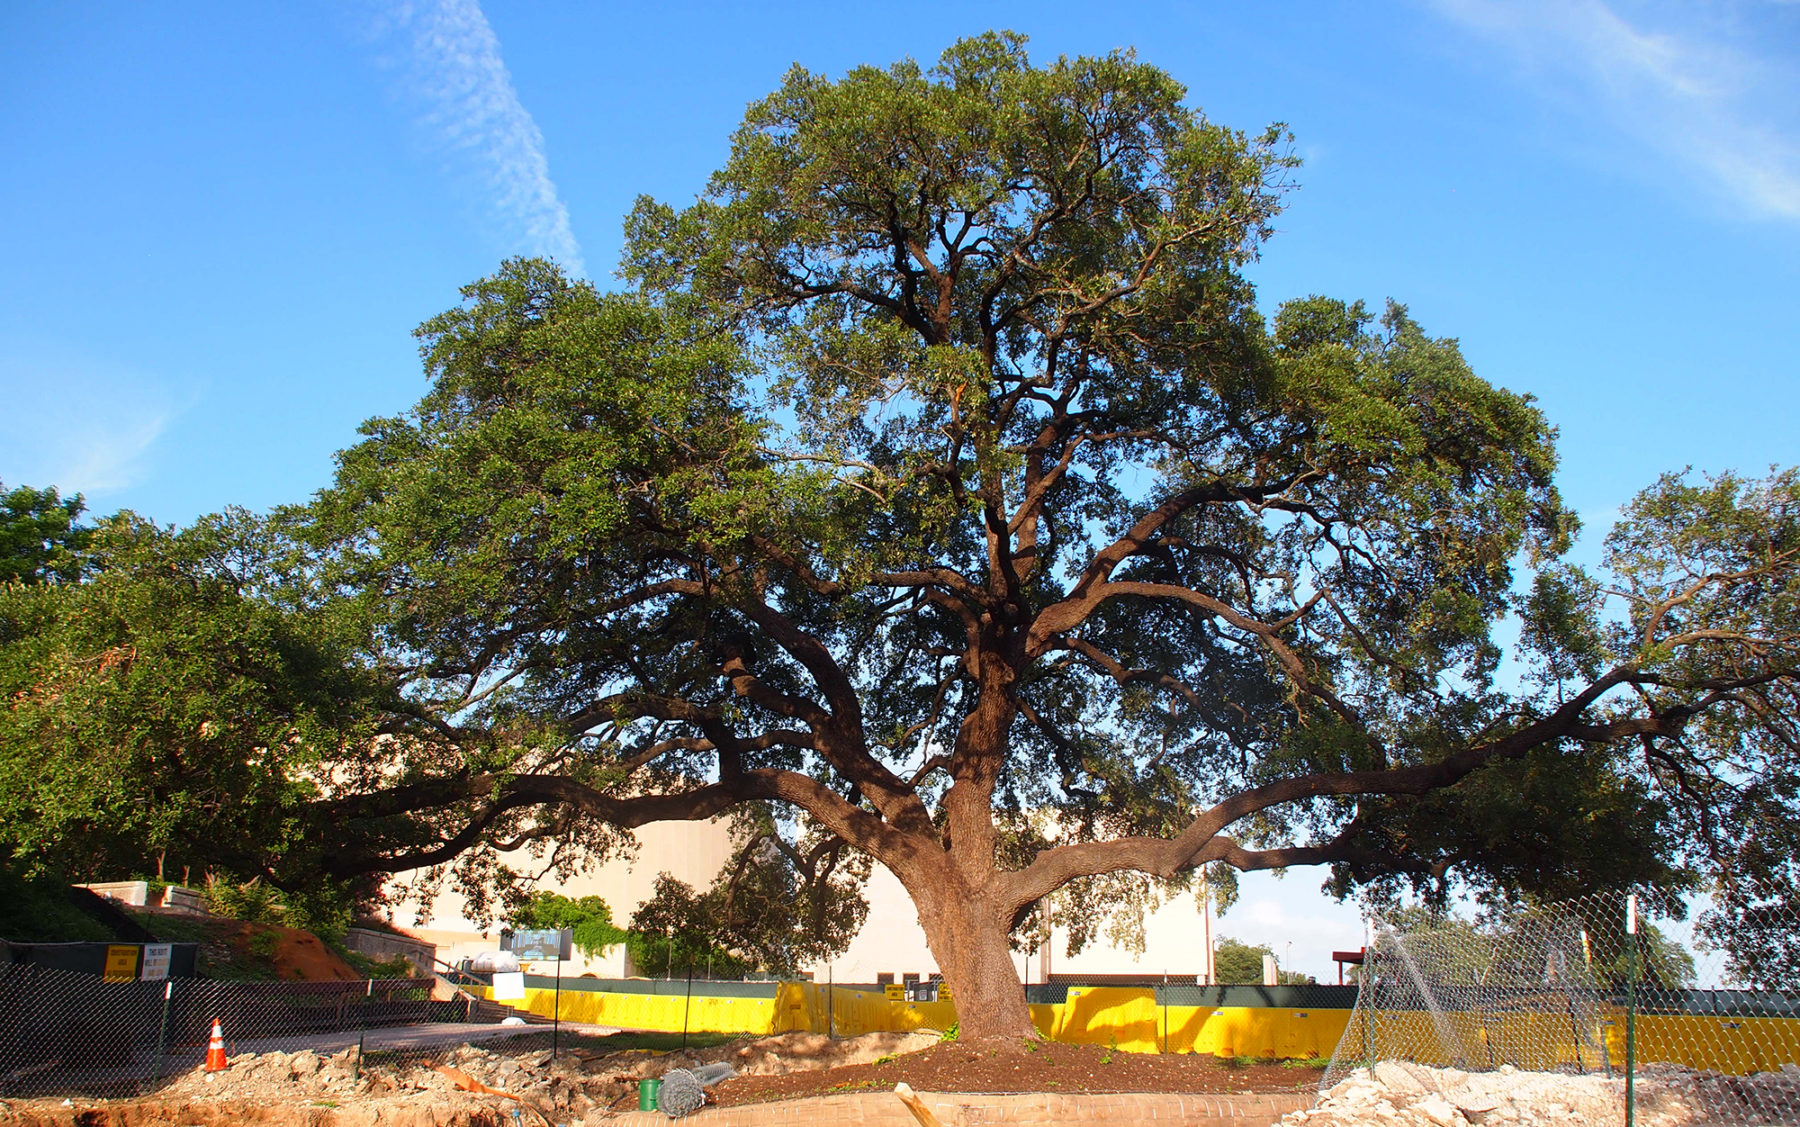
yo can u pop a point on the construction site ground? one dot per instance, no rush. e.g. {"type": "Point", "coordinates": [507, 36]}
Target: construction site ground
{"type": "Point", "coordinates": [1028, 1066]}
{"type": "Point", "coordinates": [481, 1084]}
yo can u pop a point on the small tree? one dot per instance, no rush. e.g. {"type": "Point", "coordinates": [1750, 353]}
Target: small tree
{"type": "Point", "coordinates": [1236, 962]}
{"type": "Point", "coordinates": [589, 918]}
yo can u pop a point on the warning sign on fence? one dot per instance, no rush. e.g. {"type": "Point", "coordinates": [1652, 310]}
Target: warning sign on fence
{"type": "Point", "coordinates": [156, 962]}
{"type": "Point", "coordinates": [121, 963]}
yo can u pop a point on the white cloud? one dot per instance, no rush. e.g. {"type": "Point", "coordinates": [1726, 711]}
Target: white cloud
{"type": "Point", "coordinates": [82, 426]}
{"type": "Point", "coordinates": [449, 61]}
{"type": "Point", "coordinates": [1680, 80]}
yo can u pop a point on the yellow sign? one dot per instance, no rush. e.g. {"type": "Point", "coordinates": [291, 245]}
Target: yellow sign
{"type": "Point", "coordinates": [895, 991]}
{"type": "Point", "coordinates": [943, 991]}
{"type": "Point", "coordinates": [121, 963]}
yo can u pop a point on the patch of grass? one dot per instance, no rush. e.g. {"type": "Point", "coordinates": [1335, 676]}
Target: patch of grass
{"type": "Point", "coordinates": [263, 944]}
{"type": "Point", "coordinates": [220, 957]}
{"type": "Point", "coordinates": [951, 1033]}
{"type": "Point", "coordinates": [39, 910]}
{"type": "Point", "coordinates": [1032, 1044]}
{"type": "Point", "coordinates": [177, 929]}
{"type": "Point", "coordinates": [854, 1085]}
{"type": "Point", "coordinates": [324, 1103]}
{"type": "Point", "coordinates": [396, 967]}
{"type": "Point", "coordinates": [889, 1059]}
{"type": "Point", "coordinates": [1309, 1062]}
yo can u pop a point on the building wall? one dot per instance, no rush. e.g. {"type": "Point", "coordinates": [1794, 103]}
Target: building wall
{"type": "Point", "coordinates": [381, 945]}
{"type": "Point", "coordinates": [891, 941]}
{"type": "Point", "coordinates": [693, 852]}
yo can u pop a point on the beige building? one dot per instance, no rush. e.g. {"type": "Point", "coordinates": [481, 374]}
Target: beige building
{"type": "Point", "coordinates": [692, 852]}
{"type": "Point", "coordinates": [891, 946]}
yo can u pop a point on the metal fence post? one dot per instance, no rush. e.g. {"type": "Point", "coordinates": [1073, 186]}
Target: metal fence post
{"type": "Point", "coordinates": [162, 1033]}
{"type": "Point", "coordinates": [1365, 993]}
{"type": "Point", "coordinates": [1631, 977]}
{"type": "Point", "coordinates": [362, 1031]}
{"type": "Point", "coordinates": [688, 1005]}
{"type": "Point", "coordinates": [1162, 995]}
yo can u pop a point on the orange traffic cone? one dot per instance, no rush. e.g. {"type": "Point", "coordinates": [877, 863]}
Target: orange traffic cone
{"type": "Point", "coordinates": [215, 1050]}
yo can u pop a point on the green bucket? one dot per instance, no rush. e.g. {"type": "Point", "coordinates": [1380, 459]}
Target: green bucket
{"type": "Point", "coordinates": [647, 1089]}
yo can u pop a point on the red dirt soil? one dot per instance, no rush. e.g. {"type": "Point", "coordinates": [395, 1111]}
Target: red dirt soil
{"type": "Point", "coordinates": [1005, 1067]}
{"type": "Point", "coordinates": [299, 956]}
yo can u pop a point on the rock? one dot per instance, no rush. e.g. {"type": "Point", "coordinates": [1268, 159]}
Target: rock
{"type": "Point", "coordinates": [1437, 1109]}
{"type": "Point", "coordinates": [1399, 1076]}
{"type": "Point", "coordinates": [304, 1063]}
{"type": "Point", "coordinates": [1361, 1092]}
{"type": "Point", "coordinates": [1475, 1106]}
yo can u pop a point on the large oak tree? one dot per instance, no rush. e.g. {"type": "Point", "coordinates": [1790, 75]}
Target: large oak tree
{"type": "Point", "coordinates": [938, 480]}
{"type": "Point", "coordinates": [936, 484]}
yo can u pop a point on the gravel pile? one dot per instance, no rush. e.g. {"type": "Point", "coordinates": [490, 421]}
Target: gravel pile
{"type": "Point", "coordinates": [1682, 1095]}
{"type": "Point", "coordinates": [1401, 1094]}
{"type": "Point", "coordinates": [568, 1088]}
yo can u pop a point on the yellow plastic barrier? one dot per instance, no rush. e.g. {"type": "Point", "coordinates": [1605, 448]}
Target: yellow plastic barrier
{"type": "Point", "coordinates": [1125, 1017]}
{"type": "Point", "coordinates": [1738, 1045]}
{"type": "Point", "coordinates": [855, 1012]}
{"type": "Point", "coordinates": [703, 1013]}
{"type": "Point", "coordinates": [1129, 1018]}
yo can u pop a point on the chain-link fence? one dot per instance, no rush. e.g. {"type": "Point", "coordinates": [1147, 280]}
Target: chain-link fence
{"type": "Point", "coordinates": [63, 1032]}
{"type": "Point", "coordinates": [1583, 1006]}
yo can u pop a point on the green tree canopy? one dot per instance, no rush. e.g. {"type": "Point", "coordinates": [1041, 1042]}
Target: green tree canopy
{"type": "Point", "coordinates": [1237, 962]}
{"type": "Point", "coordinates": [169, 713]}
{"type": "Point", "coordinates": [589, 918]}
{"type": "Point", "coordinates": [40, 541]}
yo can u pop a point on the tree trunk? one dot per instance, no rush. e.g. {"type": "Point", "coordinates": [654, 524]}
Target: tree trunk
{"type": "Point", "coordinates": [968, 937]}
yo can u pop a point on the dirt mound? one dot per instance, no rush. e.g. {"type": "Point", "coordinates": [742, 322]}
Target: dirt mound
{"type": "Point", "coordinates": [236, 949]}
{"type": "Point", "coordinates": [288, 953]}
{"type": "Point", "coordinates": [1033, 1066]}
{"type": "Point", "coordinates": [814, 1052]}
{"type": "Point", "coordinates": [300, 955]}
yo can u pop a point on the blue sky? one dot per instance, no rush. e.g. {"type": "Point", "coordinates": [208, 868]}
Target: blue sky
{"type": "Point", "coordinates": [223, 220]}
